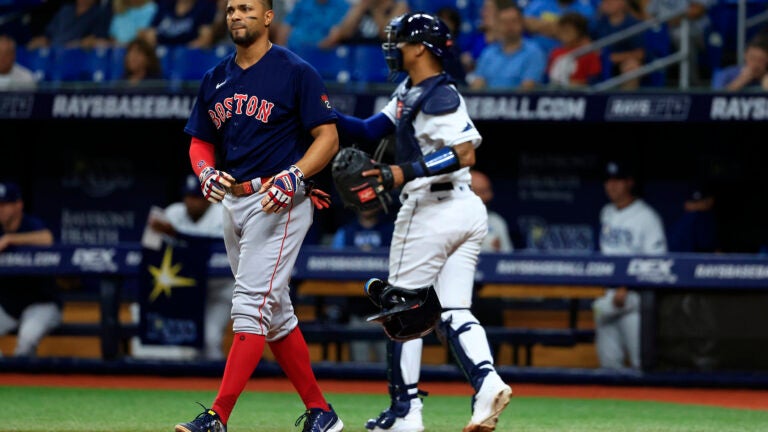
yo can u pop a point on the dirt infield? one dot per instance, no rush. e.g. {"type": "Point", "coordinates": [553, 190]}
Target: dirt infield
{"type": "Point", "coordinates": [730, 398]}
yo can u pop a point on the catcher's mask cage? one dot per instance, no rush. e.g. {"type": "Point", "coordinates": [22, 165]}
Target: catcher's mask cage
{"type": "Point", "coordinates": [408, 313]}
{"type": "Point", "coordinates": [418, 27]}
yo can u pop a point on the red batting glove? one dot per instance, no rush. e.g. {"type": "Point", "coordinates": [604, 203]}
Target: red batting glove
{"type": "Point", "coordinates": [320, 198]}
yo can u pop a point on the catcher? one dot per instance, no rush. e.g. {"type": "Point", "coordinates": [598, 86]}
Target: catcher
{"type": "Point", "coordinates": [439, 227]}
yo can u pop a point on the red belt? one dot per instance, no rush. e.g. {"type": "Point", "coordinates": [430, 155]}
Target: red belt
{"type": "Point", "coordinates": [246, 188]}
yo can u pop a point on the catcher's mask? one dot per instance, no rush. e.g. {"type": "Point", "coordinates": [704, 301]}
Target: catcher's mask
{"type": "Point", "coordinates": [416, 27]}
{"type": "Point", "coordinates": [408, 313]}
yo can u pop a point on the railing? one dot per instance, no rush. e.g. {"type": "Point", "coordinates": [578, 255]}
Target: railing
{"type": "Point", "coordinates": [679, 56]}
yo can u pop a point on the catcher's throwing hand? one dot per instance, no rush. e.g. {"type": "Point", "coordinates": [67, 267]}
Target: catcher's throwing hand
{"type": "Point", "coordinates": [280, 189]}
{"type": "Point", "coordinates": [390, 176]}
{"type": "Point", "coordinates": [214, 183]}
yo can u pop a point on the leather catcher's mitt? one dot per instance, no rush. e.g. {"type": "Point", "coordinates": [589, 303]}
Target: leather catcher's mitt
{"type": "Point", "coordinates": [357, 192]}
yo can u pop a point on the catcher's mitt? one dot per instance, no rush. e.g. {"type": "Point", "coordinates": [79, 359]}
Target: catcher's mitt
{"type": "Point", "coordinates": [357, 192]}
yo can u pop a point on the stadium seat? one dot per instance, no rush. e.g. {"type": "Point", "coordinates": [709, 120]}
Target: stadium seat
{"type": "Point", "coordinates": [368, 64]}
{"type": "Point", "coordinates": [78, 64]}
{"type": "Point", "coordinates": [332, 64]}
{"type": "Point", "coordinates": [190, 64]}
{"type": "Point", "coordinates": [39, 61]}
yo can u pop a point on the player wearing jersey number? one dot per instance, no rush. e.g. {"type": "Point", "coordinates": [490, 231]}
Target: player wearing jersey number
{"type": "Point", "coordinates": [266, 114]}
{"type": "Point", "coordinates": [441, 224]}
{"type": "Point", "coordinates": [629, 226]}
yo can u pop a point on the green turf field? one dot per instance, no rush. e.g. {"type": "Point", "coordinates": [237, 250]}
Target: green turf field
{"type": "Point", "coordinates": [36, 409]}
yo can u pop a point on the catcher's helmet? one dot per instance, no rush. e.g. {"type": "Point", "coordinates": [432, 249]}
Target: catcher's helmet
{"type": "Point", "coordinates": [406, 313]}
{"type": "Point", "coordinates": [415, 27]}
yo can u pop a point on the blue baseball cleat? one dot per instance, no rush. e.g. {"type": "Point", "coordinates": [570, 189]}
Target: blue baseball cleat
{"type": "Point", "coordinates": [317, 420]}
{"type": "Point", "coordinates": [206, 421]}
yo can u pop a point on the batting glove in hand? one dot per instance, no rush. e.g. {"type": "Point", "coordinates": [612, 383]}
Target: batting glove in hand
{"type": "Point", "coordinates": [214, 184]}
{"type": "Point", "coordinates": [320, 198]}
{"type": "Point", "coordinates": [280, 189]}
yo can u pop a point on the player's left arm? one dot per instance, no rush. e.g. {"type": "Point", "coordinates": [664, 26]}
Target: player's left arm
{"type": "Point", "coordinates": [321, 151]}
{"type": "Point", "coordinates": [442, 161]}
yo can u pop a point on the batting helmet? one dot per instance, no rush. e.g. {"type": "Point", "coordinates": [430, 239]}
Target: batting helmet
{"type": "Point", "coordinates": [416, 27]}
{"type": "Point", "coordinates": [407, 313]}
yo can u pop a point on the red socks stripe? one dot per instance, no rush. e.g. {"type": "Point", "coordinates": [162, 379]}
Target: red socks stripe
{"type": "Point", "coordinates": [244, 356]}
{"type": "Point", "coordinates": [292, 354]}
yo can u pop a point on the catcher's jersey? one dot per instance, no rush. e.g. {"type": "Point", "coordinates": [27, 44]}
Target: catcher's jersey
{"type": "Point", "coordinates": [250, 114]}
{"type": "Point", "coordinates": [434, 132]}
{"type": "Point", "coordinates": [635, 229]}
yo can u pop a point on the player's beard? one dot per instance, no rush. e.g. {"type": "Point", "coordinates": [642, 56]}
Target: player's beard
{"type": "Point", "coordinates": [243, 39]}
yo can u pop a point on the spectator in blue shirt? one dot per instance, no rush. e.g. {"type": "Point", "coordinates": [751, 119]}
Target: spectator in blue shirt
{"type": "Point", "coordinates": [512, 62]}
{"type": "Point", "coordinates": [181, 23]}
{"type": "Point", "coordinates": [541, 18]}
{"type": "Point", "coordinates": [82, 23]}
{"type": "Point", "coordinates": [748, 75]}
{"type": "Point", "coordinates": [128, 18]}
{"type": "Point", "coordinates": [627, 54]}
{"type": "Point", "coordinates": [309, 22]}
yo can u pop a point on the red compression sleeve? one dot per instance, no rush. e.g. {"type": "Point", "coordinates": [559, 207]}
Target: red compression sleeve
{"type": "Point", "coordinates": [201, 154]}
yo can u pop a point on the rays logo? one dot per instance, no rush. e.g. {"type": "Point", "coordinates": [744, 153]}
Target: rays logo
{"type": "Point", "coordinates": [652, 270]}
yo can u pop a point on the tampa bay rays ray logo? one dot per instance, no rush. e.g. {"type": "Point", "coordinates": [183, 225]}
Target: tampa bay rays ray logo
{"type": "Point", "coordinates": [166, 278]}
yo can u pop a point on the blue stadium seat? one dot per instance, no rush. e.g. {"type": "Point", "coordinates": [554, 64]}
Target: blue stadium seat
{"type": "Point", "coordinates": [78, 64]}
{"type": "Point", "coordinates": [117, 63]}
{"type": "Point", "coordinates": [190, 64]}
{"type": "Point", "coordinates": [39, 61]}
{"type": "Point", "coordinates": [332, 64]}
{"type": "Point", "coordinates": [368, 64]}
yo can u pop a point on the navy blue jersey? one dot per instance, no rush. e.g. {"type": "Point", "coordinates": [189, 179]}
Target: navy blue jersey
{"type": "Point", "coordinates": [251, 115]}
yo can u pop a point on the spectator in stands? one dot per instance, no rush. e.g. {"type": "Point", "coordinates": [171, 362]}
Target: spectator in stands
{"type": "Point", "coordinates": [28, 304]}
{"type": "Point", "coordinates": [196, 216]}
{"type": "Point", "coordinates": [748, 75]}
{"type": "Point", "coordinates": [629, 226]}
{"type": "Point", "coordinates": [626, 55]}
{"type": "Point", "coordinates": [512, 62]}
{"type": "Point", "coordinates": [484, 35]}
{"type": "Point", "coordinates": [364, 23]}
{"type": "Point", "coordinates": [541, 16]}
{"type": "Point", "coordinates": [565, 71]}
{"type": "Point", "coordinates": [368, 230]}
{"type": "Point", "coordinates": [128, 18]}
{"type": "Point", "coordinates": [13, 76]}
{"type": "Point", "coordinates": [82, 23]}
{"type": "Point", "coordinates": [696, 230]}
{"type": "Point", "coordinates": [181, 23]}
{"type": "Point", "coordinates": [452, 63]}
{"type": "Point", "coordinates": [141, 63]}
{"type": "Point", "coordinates": [696, 13]}
{"type": "Point", "coordinates": [497, 239]}
{"type": "Point", "coordinates": [309, 22]}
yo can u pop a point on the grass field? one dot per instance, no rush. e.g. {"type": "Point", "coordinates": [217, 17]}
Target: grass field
{"type": "Point", "coordinates": [36, 409]}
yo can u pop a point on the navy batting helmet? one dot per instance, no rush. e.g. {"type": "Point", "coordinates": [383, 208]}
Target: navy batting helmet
{"type": "Point", "coordinates": [406, 313]}
{"type": "Point", "coordinates": [415, 27]}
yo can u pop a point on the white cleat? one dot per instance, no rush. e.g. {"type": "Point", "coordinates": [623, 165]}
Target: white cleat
{"type": "Point", "coordinates": [490, 401]}
{"type": "Point", "coordinates": [388, 421]}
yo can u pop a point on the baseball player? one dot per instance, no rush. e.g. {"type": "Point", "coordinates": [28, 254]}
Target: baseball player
{"type": "Point", "coordinates": [30, 304]}
{"type": "Point", "coordinates": [629, 226]}
{"type": "Point", "coordinates": [441, 224]}
{"type": "Point", "coordinates": [266, 113]}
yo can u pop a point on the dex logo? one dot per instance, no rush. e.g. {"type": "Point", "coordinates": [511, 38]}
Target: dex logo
{"type": "Point", "coordinates": [95, 259]}
{"type": "Point", "coordinates": [652, 270]}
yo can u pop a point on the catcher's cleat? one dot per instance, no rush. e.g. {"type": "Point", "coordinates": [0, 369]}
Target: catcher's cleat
{"type": "Point", "coordinates": [487, 405]}
{"type": "Point", "coordinates": [317, 420]}
{"type": "Point", "coordinates": [206, 421]}
{"type": "Point", "coordinates": [373, 289]}
{"type": "Point", "coordinates": [401, 416]}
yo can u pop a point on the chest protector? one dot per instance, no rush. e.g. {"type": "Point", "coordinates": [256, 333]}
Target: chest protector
{"type": "Point", "coordinates": [433, 96]}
